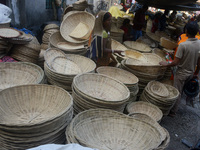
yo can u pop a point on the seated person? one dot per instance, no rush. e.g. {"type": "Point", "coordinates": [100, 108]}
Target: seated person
{"type": "Point", "coordinates": [127, 30]}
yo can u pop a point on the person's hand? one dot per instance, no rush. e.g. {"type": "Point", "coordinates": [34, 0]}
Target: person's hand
{"type": "Point", "coordinates": [163, 63]}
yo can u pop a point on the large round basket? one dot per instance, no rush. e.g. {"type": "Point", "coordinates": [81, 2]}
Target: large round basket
{"type": "Point", "coordinates": [99, 91]}
{"type": "Point", "coordinates": [129, 79]}
{"type": "Point", "coordinates": [145, 108]}
{"type": "Point", "coordinates": [72, 20]}
{"type": "Point", "coordinates": [110, 125]}
{"type": "Point", "coordinates": [34, 115]}
{"type": "Point", "coordinates": [19, 73]}
{"type": "Point", "coordinates": [109, 130]}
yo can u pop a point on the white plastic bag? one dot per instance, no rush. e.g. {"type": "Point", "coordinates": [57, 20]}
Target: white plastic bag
{"type": "Point", "coordinates": [61, 147]}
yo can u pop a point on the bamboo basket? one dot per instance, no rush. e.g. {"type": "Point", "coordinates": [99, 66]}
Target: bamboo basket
{"type": "Point", "coordinates": [141, 47]}
{"type": "Point", "coordinates": [148, 119]}
{"type": "Point", "coordinates": [109, 130]}
{"type": "Point", "coordinates": [167, 43]}
{"type": "Point", "coordinates": [72, 20]}
{"type": "Point", "coordinates": [38, 114]}
{"type": "Point", "coordinates": [145, 108]}
{"type": "Point", "coordinates": [12, 73]}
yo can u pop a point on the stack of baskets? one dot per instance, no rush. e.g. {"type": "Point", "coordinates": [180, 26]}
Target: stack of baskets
{"type": "Point", "coordinates": [116, 33]}
{"type": "Point", "coordinates": [98, 91]}
{"type": "Point", "coordinates": [48, 31]}
{"type": "Point", "coordinates": [111, 130]}
{"type": "Point", "coordinates": [33, 115]}
{"type": "Point", "coordinates": [57, 41]}
{"type": "Point", "coordinates": [145, 71]}
{"type": "Point", "coordinates": [127, 78]}
{"type": "Point", "coordinates": [115, 45]}
{"type": "Point", "coordinates": [77, 26]}
{"type": "Point", "coordinates": [141, 47]}
{"type": "Point", "coordinates": [165, 137]}
{"type": "Point", "coordinates": [19, 73]}
{"type": "Point", "coordinates": [27, 52]}
{"type": "Point", "coordinates": [162, 95]}
{"type": "Point", "coordinates": [3, 47]}
{"type": "Point", "coordinates": [80, 5]}
{"type": "Point", "coordinates": [60, 67]}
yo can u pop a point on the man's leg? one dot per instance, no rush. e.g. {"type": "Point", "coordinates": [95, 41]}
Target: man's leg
{"type": "Point", "coordinates": [178, 84]}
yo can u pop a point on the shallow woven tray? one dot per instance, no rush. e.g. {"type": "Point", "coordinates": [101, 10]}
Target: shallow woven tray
{"type": "Point", "coordinates": [119, 74]}
{"type": "Point", "coordinates": [9, 33]}
{"type": "Point", "coordinates": [101, 87]}
{"type": "Point", "coordinates": [19, 73]}
{"type": "Point", "coordinates": [65, 66]}
{"type": "Point", "coordinates": [145, 108]}
{"type": "Point", "coordinates": [137, 46]}
{"type": "Point", "coordinates": [72, 20]}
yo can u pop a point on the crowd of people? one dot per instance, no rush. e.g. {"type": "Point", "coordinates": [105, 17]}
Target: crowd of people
{"type": "Point", "coordinates": [186, 56]}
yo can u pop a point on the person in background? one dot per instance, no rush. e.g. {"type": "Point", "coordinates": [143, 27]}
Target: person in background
{"type": "Point", "coordinates": [139, 22]}
{"type": "Point", "coordinates": [127, 30]}
{"type": "Point", "coordinates": [172, 17]}
{"type": "Point", "coordinates": [100, 47]}
{"type": "Point", "coordinates": [163, 20]}
{"type": "Point", "coordinates": [155, 22]}
{"type": "Point", "coordinates": [186, 60]}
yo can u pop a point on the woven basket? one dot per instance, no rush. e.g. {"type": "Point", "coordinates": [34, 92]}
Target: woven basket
{"type": "Point", "coordinates": [57, 41]}
{"type": "Point", "coordinates": [165, 143]}
{"type": "Point", "coordinates": [145, 108]}
{"type": "Point", "coordinates": [124, 76]}
{"type": "Point", "coordinates": [158, 89]}
{"type": "Point", "coordinates": [127, 78]}
{"type": "Point", "coordinates": [115, 45]}
{"type": "Point", "coordinates": [147, 119]}
{"type": "Point", "coordinates": [12, 73]}
{"type": "Point", "coordinates": [135, 55]}
{"type": "Point", "coordinates": [72, 20]}
{"type": "Point", "coordinates": [153, 36]}
{"type": "Point", "coordinates": [36, 115]}
{"type": "Point", "coordinates": [92, 113]}
{"type": "Point", "coordinates": [165, 104]}
{"type": "Point", "coordinates": [101, 87]}
{"type": "Point", "coordinates": [110, 130]}
{"type": "Point", "coordinates": [9, 33]}
{"type": "Point", "coordinates": [141, 47]}
{"type": "Point", "coordinates": [166, 43]}
{"type": "Point", "coordinates": [52, 53]}
{"type": "Point", "coordinates": [65, 66]}
{"type": "Point", "coordinates": [65, 80]}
